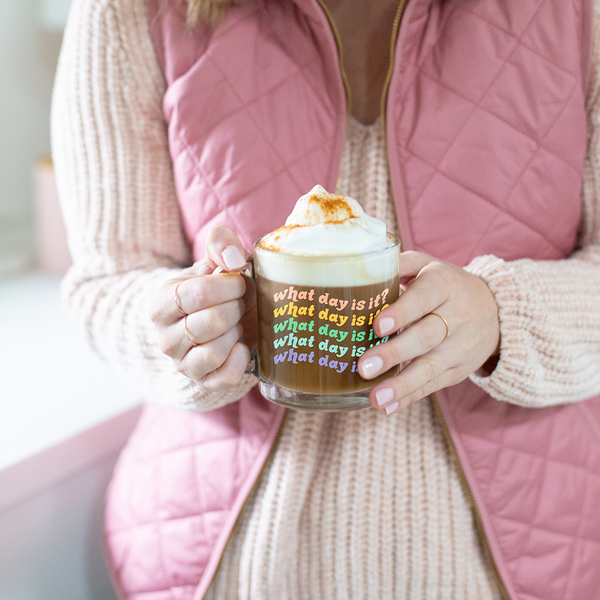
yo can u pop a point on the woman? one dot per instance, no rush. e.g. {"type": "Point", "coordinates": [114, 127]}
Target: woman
{"type": "Point", "coordinates": [166, 132]}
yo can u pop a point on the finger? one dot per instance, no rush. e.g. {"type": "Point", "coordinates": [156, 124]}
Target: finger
{"type": "Point", "coordinates": [425, 294]}
{"type": "Point", "coordinates": [230, 373]}
{"type": "Point", "coordinates": [414, 341]}
{"type": "Point", "coordinates": [422, 377]}
{"type": "Point", "coordinates": [176, 298]}
{"type": "Point", "coordinates": [225, 250]}
{"type": "Point", "coordinates": [201, 360]}
{"type": "Point", "coordinates": [411, 262]}
{"type": "Point", "coordinates": [209, 324]}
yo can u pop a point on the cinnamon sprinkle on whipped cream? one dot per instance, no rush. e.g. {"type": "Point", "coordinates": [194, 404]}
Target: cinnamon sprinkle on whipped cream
{"type": "Point", "coordinates": [327, 224]}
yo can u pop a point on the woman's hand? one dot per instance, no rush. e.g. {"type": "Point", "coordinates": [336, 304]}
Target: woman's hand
{"type": "Point", "coordinates": [435, 351]}
{"type": "Point", "coordinates": [206, 323]}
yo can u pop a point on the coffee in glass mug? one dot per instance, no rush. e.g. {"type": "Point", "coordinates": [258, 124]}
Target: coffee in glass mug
{"type": "Point", "coordinates": [321, 280]}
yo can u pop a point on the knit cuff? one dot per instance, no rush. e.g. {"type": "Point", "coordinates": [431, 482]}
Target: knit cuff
{"type": "Point", "coordinates": [511, 379]}
{"type": "Point", "coordinates": [204, 400]}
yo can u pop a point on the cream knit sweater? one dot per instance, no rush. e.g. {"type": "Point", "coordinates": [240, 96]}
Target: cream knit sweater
{"type": "Point", "coordinates": [353, 505]}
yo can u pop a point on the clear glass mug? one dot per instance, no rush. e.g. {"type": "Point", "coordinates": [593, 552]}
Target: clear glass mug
{"type": "Point", "coordinates": [315, 321]}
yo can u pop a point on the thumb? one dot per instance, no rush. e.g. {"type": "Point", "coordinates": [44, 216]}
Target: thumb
{"type": "Point", "coordinates": [224, 249]}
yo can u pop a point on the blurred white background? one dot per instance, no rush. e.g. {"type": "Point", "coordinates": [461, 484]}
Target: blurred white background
{"type": "Point", "coordinates": [64, 414]}
{"type": "Point", "coordinates": [30, 37]}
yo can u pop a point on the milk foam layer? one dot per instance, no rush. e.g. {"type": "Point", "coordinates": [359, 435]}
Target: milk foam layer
{"type": "Point", "coordinates": [328, 224]}
{"type": "Point", "coordinates": [328, 240]}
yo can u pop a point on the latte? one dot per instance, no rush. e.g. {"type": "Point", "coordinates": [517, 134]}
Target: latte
{"type": "Point", "coordinates": [321, 280]}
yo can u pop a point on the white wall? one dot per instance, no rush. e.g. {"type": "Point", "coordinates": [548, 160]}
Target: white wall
{"type": "Point", "coordinates": [28, 57]}
{"type": "Point", "coordinates": [53, 471]}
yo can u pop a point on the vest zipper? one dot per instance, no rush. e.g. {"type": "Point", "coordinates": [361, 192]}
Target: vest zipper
{"type": "Point", "coordinates": [446, 432]}
{"type": "Point", "coordinates": [386, 87]}
{"type": "Point", "coordinates": [345, 81]}
{"type": "Point", "coordinates": [340, 50]}
{"type": "Point", "coordinates": [274, 446]}
{"type": "Point", "coordinates": [469, 495]}
{"type": "Point", "coordinates": [393, 42]}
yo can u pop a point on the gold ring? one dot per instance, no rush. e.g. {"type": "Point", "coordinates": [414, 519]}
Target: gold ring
{"type": "Point", "coordinates": [178, 300]}
{"type": "Point", "coordinates": [445, 323]}
{"type": "Point", "coordinates": [187, 333]}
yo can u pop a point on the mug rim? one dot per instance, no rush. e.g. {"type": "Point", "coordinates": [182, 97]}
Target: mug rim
{"type": "Point", "coordinates": [396, 243]}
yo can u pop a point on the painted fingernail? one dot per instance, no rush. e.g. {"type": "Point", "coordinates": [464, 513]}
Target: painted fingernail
{"type": "Point", "coordinates": [233, 258]}
{"type": "Point", "coordinates": [386, 325]}
{"type": "Point", "coordinates": [383, 395]}
{"type": "Point", "coordinates": [372, 366]}
{"type": "Point", "coordinates": [391, 408]}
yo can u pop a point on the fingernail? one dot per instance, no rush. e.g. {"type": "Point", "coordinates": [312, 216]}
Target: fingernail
{"type": "Point", "coordinates": [383, 395]}
{"type": "Point", "coordinates": [372, 366]}
{"type": "Point", "coordinates": [233, 258]}
{"type": "Point", "coordinates": [386, 325]}
{"type": "Point", "coordinates": [391, 408]}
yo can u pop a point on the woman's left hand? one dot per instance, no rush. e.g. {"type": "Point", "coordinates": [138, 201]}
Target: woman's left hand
{"type": "Point", "coordinates": [435, 350]}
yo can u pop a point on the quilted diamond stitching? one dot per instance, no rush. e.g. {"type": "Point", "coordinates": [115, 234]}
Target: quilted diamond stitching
{"type": "Point", "coordinates": [166, 576]}
{"type": "Point", "coordinates": [284, 169]}
{"type": "Point", "coordinates": [186, 590]}
{"type": "Point", "coordinates": [187, 446]}
{"type": "Point", "coordinates": [547, 458]}
{"type": "Point", "coordinates": [585, 410]}
{"type": "Point", "coordinates": [539, 142]}
{"type": "Point", "coordinates": [542, 456]}
{"type": "Point", "coordinates": [249, 11]}
{"type": "Point", "coordinates": [202, 523]}
{"type": "Point", "coordinates": [477, 106]}
{"type": "Point", "coordinates": [319, 144]}
{"type": "Point", "coordinates": [150, 524]}
{"type": "Point", "coordinates": [521, 42]}
{"type": "Point", "coordinates": [533, 528]}
{"type": "Point", "coordinates": [299, 70]}
{"type": "Point", "coordinates": [317, 92]}
{"type": "Point", "coordinates": [499, 211]}
{"type": "Point", "coordinates": [427, 56]}
{"type": "Point", "coordinates": [572, 540]}
{"type": "Point", "coordinates": [576, 542]}
{"type": "Point", "coordinates": [493, 205]}
{"type": "Point", "coordinates": [246, 104]}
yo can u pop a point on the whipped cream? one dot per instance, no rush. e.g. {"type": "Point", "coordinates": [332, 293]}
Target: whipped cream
{"type": "Point", "coordinates": [328, 224]}
{"type": "Point", "coordinates": [328, 240]}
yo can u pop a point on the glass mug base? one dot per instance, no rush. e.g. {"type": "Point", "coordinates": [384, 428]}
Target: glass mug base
{"type": "Point", "coordinates": [308, 401]}
{"type": "Point", "coordinates": [315, 320]}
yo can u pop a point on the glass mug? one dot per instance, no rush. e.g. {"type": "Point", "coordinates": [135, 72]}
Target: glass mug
{"type": "Point", "coordinates": [315, 317]}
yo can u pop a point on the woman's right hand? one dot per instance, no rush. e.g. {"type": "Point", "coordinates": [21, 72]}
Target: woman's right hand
{"type": "Point", "coordinates": [206, 323]}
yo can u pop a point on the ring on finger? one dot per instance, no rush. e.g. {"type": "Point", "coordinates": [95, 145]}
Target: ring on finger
{"type": "Point", "coordinates": [178, 299]}
{"type": "Point", "coordinates": [445, 323]}
{"type": "Point", "coordinates": [191, 340]}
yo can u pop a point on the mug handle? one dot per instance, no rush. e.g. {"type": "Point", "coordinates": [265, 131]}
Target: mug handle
{"type": "Point", "coordinates": [248, 271]}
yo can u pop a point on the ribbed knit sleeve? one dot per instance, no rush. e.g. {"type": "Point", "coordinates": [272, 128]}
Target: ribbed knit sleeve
{"type": "Point", "coordinates": [115, 180]}
{"type": "Point", "coordinates": [550, 310]}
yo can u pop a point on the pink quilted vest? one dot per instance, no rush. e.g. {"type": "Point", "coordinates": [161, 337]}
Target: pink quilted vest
{"type": "Point", "coordinates": [256, 116]}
